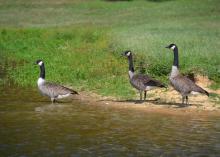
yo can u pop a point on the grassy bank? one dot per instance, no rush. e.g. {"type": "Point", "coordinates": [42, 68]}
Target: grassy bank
{"type": "Point", "coordinates": [76, 57]}
{"type": "Point", "coordinates": [81, 41]}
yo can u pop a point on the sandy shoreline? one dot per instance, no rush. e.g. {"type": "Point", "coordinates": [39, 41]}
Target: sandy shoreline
{"type": "Point", "coordinates": [202, 107]}
{"type": "Point", "coordinates": [166, 101]}
{"type": "Point", "coordinates": [162, 101]}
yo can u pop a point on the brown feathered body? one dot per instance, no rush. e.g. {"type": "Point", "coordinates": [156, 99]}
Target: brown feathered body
{"type": "Point", "coordinates": [144, 83]}
{"type": "Point", "coordinates": [55, 91]}
{"type": "Point", "coordinates": [183, 84]}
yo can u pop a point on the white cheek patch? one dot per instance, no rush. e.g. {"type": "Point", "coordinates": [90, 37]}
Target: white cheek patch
{"type": "Point", "coordinates": [128, 54]}
{"type": "Point", "coordinates": [173, 47]}
{"type": "Point", "coordinates": [40, 63]}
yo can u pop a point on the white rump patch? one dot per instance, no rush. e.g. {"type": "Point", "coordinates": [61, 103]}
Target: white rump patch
{"type": "Point", "coordinates": [40, 81]}
{"type": "Point", "coordinates": [130, 73]}
{"type": "Point", "coordinates": [63, 96]}
{"type": "Point", "coordinates": [40, 63]}
{"type": "Point", "coordinates": [194, 93]}
{"type": "Point", "coordinates": [173, 47]}
{"type": "Point", "coordinates": [150, 87]}
{"type": "Point", "coordinates": [129, 53]}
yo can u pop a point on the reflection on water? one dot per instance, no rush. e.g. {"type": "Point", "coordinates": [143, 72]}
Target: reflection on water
{"type": "Point", "coordinates": [31, 126]}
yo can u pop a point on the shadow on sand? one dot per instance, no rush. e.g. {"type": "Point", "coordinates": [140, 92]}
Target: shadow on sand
{"type": "Point", "coordinates": [154, 102]}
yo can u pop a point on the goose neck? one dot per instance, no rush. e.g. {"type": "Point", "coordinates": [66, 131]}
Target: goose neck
{"type": "Point", "coordinates": [42, 71]}
{"type": "Point", "coordinates": [176, 57]}
{"type": "Point", "coordinates": [130, 62]}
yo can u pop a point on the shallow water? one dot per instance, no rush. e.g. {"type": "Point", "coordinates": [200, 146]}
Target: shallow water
{"type": "Point", "coordinates": [31, 126]}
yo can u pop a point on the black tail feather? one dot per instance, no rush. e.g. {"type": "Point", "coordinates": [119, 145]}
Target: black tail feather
{"type": "Point", "coordinates": [203, 91]}
{"type": "Point", "coordinates": [207, 93]}
{"type": "Point", "coordinates": [74, 92]}
{"type": "Point", "coordinates": [163, 86]}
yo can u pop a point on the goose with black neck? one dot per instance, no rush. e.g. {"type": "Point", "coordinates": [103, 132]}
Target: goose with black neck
{"type": "Point", "coordinates": [142, 83]}
{"type": "Point", "coordinates": [52, 90]}
{"type": "Point", "coordinates": [181, 83]}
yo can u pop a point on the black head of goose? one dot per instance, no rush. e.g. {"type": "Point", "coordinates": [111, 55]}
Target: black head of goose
{"type": "Point", "coordinates": [181, 83]}
{"type": "Point", "coordinates": [52, 90]}
{"type": "Point", "coordinates": [139, 81]}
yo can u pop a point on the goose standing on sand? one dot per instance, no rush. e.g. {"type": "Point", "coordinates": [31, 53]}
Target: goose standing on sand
{"type": "Point", "coordinates": [52, 90]}
{"type": "Point", "coordinates": [181, 83]}
{"type": "Point", "coordinates": [139, 81]}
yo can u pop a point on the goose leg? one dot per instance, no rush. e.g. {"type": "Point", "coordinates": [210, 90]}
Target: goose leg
{"type": "Point", "coordinates": [183, 99]}
{"type": "Point", "coordinates": [140, 95]}
{"type": "Point", "coordinates": [145, 95]}
{"type": "Point", "coordinates": [187, 100]}
{"type": "Point", "coordinates": [53, 100]}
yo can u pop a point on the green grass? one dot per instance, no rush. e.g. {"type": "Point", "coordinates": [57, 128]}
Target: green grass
{"type": "Point", "coordinates": [77, 57]}
{"type": "Point", "coordinates": [81, 41]}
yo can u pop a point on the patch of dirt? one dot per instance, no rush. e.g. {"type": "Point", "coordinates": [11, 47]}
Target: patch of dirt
{"type": "Point", "coordinates": [166, 101]}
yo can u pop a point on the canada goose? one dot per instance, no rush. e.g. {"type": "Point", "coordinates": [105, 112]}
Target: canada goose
{"type": "Point", "coordinates": [139, 81]}
{"type": "Point", "coordinates": [181, 83]}
{"type": "Point", "coordinates": [52, 90]}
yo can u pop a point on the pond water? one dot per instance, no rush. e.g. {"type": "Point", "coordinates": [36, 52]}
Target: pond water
{"type": "Point", "coordinates": [31, 126]}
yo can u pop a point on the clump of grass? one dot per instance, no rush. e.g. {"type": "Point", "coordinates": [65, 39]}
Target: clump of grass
{"type": "Point", "coordinates": [216, 97]}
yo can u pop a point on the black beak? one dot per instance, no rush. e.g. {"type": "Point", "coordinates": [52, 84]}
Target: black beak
{"type": "Point", "coordinates": [167, 47]}
{"type": "Point", "coordinates": [122, 54]}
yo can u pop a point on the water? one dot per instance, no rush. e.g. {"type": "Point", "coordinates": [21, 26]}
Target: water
{"type": "Point", "coordinates": [31, 126]}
